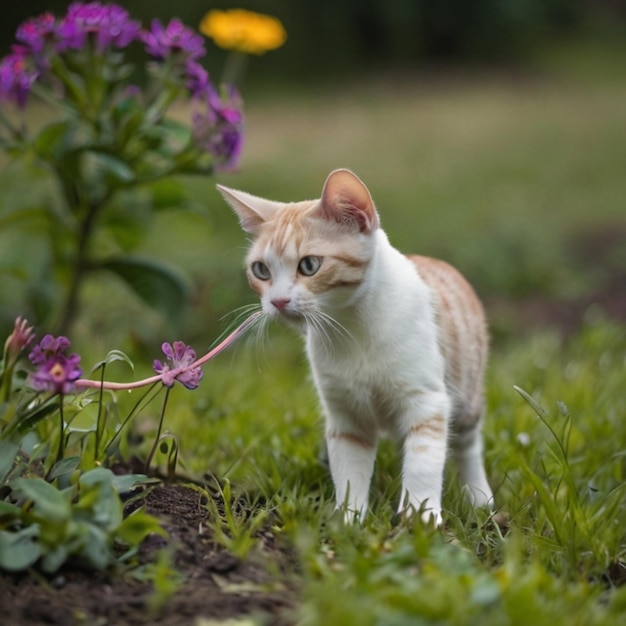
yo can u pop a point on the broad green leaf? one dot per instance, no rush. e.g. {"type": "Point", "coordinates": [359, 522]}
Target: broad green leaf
{"type": "Point", "coordinates": [48, 502]}
{"type": "Point", "coordinates": [8, 452]}
{"type": "Point", "coordinates": [19, 550]}
{"type": "Point", "coordinates": [96, 476]}
{"type": "Point", "coordinates": [64, 466]}
{"type": "Point", "coordinates": [168, 193]}
{"type": "Point", "coordinates": [137, 526]}
{"type": "Point", "coordinates": [30, 420]}
{"type": "Point", "coordinates": [100, 499]}
{"type": "Point", "coordinates": [97, 549]}
{"type": "Point", "coordinates": [156, 284]}
{"type": "Point", "coordinates": [54, 558]}
{"type": "Point", "coordinates": [50, 140]}
{"type": "Point", "coordinates": [114, 171]}
{"type": "Point", "coordinates": [126, 482]}
{"type": "Point", "coordinates": [8, 511]}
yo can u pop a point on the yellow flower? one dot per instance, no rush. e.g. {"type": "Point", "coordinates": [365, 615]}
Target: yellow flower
{"type": "Point", "coordinates": [243, 31]}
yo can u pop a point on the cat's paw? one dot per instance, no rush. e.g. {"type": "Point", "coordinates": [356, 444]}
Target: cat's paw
{"type": "Point", "coordinates": [427, 514]}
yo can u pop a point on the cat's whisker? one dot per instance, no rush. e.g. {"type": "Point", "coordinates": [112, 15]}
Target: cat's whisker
{"type": "Point", "coordinates": [328, 329]}
{"type": "Point", "coordinates": [316, 324]}
{"type": "Point", "coordinates": [341, 332]}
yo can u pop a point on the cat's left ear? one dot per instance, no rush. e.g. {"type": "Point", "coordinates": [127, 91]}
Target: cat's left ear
{"type": "Point", "coordinates": [346, 200]}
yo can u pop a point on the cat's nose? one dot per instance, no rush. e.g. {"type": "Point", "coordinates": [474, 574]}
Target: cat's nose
{"type": "Point", "coordinates": [281, 303]}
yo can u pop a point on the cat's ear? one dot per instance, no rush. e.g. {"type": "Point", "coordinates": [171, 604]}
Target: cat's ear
{"type": "Point", "coordinates": [346, 200]}
{"type": "Point", "coordinates": [251, 210]}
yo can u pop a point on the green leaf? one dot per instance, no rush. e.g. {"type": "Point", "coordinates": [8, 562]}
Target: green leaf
{"type": "Point", "coordinates": [30, 420]}
{"type": "Point", "coordinates": [114, 171]}
{"type": "Point", "coordinates": [97, 548]}
{"type": "Point", "coordinates": [168, 193]}
{"type": "Point", "coordinates": [126, 483]}
{"type": "Point", "coordinates": [96, 476]}
{"type": "Point", "coordinates": [64, 467]}
{"type": "Point", "coordinates": [54, 558]}
{"type": "Point", "coordinates": [98, 500]}
{"type": "Point", "coordinates": [111, 357]}
{"type": "Point", "coordinates": [19, 550]}
{"type": "Point", "coordinates": [9, 512]}
{"type": "Point", "coordinates": [137, 526]}
{"type": "Point", "coordinates": [50, 140]}
{"type": "Point", "coordinates": [8, 452]}
{"type": "Point", "coordinates": [48, 502]}
{"type": "Point", "coordinates": [156, 284]}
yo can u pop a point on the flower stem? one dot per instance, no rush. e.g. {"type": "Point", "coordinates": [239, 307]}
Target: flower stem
{"type": "Point", "coordinates": [155, 445]}
{"type": "Point", "coordinates": [61, 448]}
{"type": "Point", "coordinates": [103, 384]}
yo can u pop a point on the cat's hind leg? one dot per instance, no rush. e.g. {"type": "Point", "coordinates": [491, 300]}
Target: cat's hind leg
{"type": "Point", "coordinates": [467, 452]}
{"type": "Point", "coordinates": [425, 443]}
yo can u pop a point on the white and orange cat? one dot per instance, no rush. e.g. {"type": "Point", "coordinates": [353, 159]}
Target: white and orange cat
{"type": "Point", "coordinates": [397, 344]}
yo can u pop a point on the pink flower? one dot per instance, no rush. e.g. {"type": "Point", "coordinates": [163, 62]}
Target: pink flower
{"type": "Point", "coordinates": [182, 358]}
{"type": "Point", "coordinates": [19, 339]}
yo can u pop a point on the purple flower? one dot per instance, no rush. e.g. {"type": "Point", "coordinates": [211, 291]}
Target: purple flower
{"type": "Point", "coordinates": [17, 74]}
{"type": "Point", "coordinates": [217, 126]}
{"type": "Point", "coordinates": [35, 32]}
{"type": "Point", "coordinates": [175, 37]}
{"type": "Point", "coordinates": [56, 372]}
{"type": "Point", "coordinates": [49, 346]}
{"type": "Point", "coordinates": [197, 78]}
{"type": "Point", "coordinates": [181, 357]}
{"type": "Point", "coordinates": [109, 24]}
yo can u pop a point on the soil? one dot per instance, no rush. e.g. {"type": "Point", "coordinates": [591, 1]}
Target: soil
{"type": "Point", "coordinates": [215, 584]}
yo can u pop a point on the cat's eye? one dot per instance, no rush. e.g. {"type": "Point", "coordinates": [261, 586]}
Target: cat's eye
{"type": "Point", "coordinates": [309, 265]}
{"type": "Point", "coordinates": [260, 270]}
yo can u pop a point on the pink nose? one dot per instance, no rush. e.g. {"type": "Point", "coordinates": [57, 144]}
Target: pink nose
{"type": "Point", "coordinates": [281, 303]}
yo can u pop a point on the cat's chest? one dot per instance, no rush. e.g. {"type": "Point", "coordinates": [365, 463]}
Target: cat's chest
{"type": "Point", "coordinates": [379, 360]}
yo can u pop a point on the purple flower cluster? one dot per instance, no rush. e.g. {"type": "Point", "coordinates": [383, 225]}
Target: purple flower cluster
{"type": "Point", "coordinates": [37, 31]}
{"type": "Point", "coordinates": [17, 74]}
{"type": "Point", "coordinates": [56, 371]}
{"type": "Point", "coordinates": [218, 125]}
{"type": "Point", "coordinates": [181, 357]}
{"type": "Point", "coordinates": [108, 24]}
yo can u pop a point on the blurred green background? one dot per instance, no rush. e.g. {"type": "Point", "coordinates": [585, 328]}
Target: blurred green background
{"type": "Point", "coordinates": [491, 133]}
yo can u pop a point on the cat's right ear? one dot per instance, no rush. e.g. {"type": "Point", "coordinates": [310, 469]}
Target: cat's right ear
{"type": "Point", "coordinates": [252, 211]}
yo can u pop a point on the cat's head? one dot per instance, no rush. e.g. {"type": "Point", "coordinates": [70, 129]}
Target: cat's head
{"type": "Point", "coordinates": [310, 257]}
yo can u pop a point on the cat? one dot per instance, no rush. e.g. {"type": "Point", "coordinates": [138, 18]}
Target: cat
{"type": "Point", "coordinates": [397, 344]}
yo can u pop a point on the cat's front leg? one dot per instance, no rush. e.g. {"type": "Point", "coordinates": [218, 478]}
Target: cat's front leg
{"type": "Point", "coordinates": [425, 445]}
{"type": "Point", "coordinates": [351, 458]}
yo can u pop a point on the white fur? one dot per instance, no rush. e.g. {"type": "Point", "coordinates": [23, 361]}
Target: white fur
{"type": "Point", "coordinates": [384, 381]}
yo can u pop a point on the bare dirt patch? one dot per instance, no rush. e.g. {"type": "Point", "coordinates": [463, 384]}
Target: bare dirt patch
{"type": "Point", "coordinates": [216, 585]}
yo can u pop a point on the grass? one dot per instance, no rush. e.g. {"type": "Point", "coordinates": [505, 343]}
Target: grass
{"type": "Point", "coordinates": [496, 174]}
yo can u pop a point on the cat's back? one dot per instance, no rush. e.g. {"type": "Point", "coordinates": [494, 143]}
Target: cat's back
{"type": "Point", "coordinates": [462, 334]}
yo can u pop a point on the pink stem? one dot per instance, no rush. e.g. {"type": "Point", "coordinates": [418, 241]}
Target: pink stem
{"type": "Point", "coordinates": [97, 384]}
